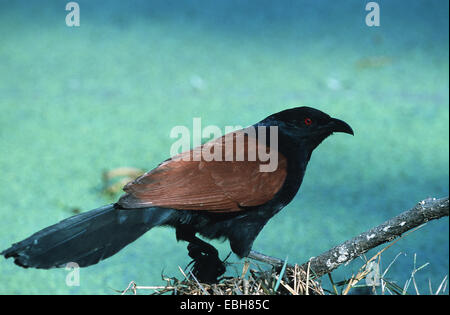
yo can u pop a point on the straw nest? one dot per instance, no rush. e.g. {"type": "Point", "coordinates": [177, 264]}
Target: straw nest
{"type": "Point", "coordinates": [289, 280]}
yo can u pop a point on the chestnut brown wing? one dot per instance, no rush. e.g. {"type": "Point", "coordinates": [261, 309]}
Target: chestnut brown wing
{"type": "Point", "coordinates": [189, 182]}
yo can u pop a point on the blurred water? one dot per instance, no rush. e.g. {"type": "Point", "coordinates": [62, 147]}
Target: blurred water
{"type": "Point", "coordinates": [77, 101]}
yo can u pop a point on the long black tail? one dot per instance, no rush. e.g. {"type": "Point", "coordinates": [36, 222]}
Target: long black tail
{"type": "Point", "coordinates": [85, 238]}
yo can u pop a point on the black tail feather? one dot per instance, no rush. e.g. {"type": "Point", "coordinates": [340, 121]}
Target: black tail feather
{"type": "Point", "coordinates": [85, 238]}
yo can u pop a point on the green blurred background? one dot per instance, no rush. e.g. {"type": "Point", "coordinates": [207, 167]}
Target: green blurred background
{"type": "Point", "coordinates": [75, 101]}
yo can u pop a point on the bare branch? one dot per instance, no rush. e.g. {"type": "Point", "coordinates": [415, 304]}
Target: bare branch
{"type": "Point", "coordinates": [424, 211]}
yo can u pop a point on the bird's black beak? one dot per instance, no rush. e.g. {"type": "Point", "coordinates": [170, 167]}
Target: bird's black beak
{"type": "Point", "coordinates": [337, 125]}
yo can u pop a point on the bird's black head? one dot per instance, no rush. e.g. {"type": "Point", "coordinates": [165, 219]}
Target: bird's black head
{"type": "Point", "coordinates": [306, 125]}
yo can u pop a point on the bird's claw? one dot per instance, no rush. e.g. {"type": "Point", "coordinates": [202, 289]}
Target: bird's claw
{"type": "Point", "coordinates": [206, 265]}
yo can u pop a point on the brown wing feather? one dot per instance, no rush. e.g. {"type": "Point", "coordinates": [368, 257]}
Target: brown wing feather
{"type": "Point", "coordinates": [189, 182]}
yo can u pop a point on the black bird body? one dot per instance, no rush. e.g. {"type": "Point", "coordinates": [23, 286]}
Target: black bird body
{"type": "Point", "coordinates": [218, 201]}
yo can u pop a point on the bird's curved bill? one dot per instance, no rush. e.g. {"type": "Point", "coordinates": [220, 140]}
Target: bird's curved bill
{"type": "Point", "coordinates": [337, 125]}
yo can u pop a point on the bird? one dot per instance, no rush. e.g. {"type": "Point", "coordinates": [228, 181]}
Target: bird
{"type": "Point", "coordinates": [226, 189]}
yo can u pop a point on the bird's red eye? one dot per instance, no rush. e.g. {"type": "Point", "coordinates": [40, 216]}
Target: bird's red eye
{"type": "Point", "coordinates": [308, 121]}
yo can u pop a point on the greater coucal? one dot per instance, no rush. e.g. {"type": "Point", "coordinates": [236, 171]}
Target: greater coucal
{"type": "Point", "coordinates": [229, 197]}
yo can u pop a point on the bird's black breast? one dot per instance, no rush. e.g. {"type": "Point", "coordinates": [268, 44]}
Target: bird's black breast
{"type": "Point", "coordinates": [297, 157]}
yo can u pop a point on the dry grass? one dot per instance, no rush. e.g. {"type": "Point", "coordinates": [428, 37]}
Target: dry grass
{"type": "Point", "coordinates": [252, 281]}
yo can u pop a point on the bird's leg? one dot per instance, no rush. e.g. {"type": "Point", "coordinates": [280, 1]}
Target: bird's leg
{"type": "Point", "coordinates": [198, 247]}
{"type": "Point", "coordinates": [207, 266]}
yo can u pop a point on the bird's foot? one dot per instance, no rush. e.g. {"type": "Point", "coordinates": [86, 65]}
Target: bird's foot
{"type": "Point", "coordinates": [206, 264]}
